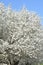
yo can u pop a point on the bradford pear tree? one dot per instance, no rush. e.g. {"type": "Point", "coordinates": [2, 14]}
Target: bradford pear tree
{"type": "Point", "coordinates": [21, 36]}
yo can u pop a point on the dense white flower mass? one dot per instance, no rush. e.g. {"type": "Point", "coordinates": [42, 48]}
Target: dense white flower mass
{"type": "Point", "coordinates": [20, 33]}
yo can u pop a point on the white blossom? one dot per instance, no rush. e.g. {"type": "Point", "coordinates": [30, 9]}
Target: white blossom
{"type": "Point", "coordinates": [21, 32]}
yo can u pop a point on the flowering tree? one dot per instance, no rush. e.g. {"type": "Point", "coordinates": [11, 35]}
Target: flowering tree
{"type": "Point", "coordinates": [21, 36]}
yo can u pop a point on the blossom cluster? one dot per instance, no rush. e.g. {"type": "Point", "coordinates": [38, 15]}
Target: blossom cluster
{"type": "Point", "coordinates": [20, 33]}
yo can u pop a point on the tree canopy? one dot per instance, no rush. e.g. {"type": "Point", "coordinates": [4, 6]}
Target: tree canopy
{"type": "Point", "coordinates": [21, 36]}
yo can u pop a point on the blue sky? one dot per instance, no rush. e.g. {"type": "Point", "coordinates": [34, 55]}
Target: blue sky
{"type": "Point", "coordinates": [31, 5]}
